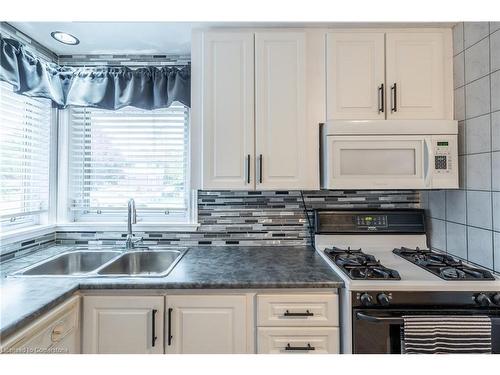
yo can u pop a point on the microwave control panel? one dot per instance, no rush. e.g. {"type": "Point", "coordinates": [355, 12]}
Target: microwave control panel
{"type": "Point", "coordinates": [442, 157]}
{"type": "Point", "coordinates": [444, 161]}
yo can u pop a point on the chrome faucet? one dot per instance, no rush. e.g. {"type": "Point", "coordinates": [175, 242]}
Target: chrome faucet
{"type": "Point", "coordinates": [131, 219]}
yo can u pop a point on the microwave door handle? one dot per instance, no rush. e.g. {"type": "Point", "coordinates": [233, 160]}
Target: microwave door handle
{"type": "Point", "coordinates": [427, 162]}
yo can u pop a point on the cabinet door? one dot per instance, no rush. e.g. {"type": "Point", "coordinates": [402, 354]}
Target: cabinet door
{"type": "Point", "coordinates": [228, 110]}
{"type": "Point", "coordinates": [355, 76]}
{"type": "Point", "coordinates": [416, 75]}
{"type": "Point", "coordinates": [283, 153]}
{"type": "Point", "coordinates": [123, 324]}
{"type": "Point", "coordinates": [206, 324]}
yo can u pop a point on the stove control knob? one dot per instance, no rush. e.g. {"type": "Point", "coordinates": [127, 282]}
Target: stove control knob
{"type": "Point", "coordinates": [496, 299]}
{"type": "Point", "coordinates": [483, 300]}
{"type": "Point", "coordinates": [366, 299]}
{"type": "Point", "coordinates": [383, 299]}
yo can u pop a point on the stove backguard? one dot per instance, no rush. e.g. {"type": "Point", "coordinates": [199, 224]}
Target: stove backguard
{"type": "Point", "coordinates": [369, 221]}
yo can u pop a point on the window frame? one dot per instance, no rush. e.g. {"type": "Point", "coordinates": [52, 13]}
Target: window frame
{"type": "Point", "coordinates": [65, 217]}
{"type": "Point", "coordinates": [58, 216]}
{"type": "Point", "coordinates": [47, 219]}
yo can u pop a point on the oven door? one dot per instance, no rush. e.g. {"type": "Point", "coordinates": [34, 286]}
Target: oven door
{"type": "Point", "coordinates": [381, 331]}
{"type": "Point", "coordinates": [384, 162]}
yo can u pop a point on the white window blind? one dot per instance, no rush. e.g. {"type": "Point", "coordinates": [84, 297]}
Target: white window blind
{"type": "Point", "coordinates": [129, 153]}
{"type": "Point", "coordinates": [25, 131]}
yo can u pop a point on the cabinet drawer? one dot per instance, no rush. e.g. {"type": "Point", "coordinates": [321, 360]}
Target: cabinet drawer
{"type": "Point", "coordinates": [48, 331]}
{"type": "Point", "coordinates": [297, 310]}
{"type": "Point", "coordinates": [298, 340]}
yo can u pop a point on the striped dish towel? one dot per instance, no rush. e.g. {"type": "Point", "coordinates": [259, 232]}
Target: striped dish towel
{"type": "Point", "coordinates": [439, 334]}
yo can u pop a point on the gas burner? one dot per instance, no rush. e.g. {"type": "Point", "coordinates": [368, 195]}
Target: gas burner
{"type": "Point", "coordinates": [351, 260]}
{"type": "Point", "coordinates": [450, 273]}
{"type": "Point", "coordinates": [360, 266]}
{"type": "Point", "coordinates": [373, 273]}
{"type": "Point", "coordinates": [442, 265]}
{"type": "Point", "coordinates": [338, 250]}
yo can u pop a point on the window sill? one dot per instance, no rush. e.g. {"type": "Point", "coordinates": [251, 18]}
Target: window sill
{"type": "Point", "coordinates": [26, 233]}
{"type": "Point", "coordinates": [122, 227]}
{"type": "Point", "coordinates": [40, 230]}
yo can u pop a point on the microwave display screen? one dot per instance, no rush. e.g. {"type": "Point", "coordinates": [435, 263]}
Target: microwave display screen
{"type": "Point", "coordinates": [442, 143]}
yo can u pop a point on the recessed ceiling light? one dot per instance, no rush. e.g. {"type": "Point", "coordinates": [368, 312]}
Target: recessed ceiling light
{"type": "Point", "coordinates": [65, 38]}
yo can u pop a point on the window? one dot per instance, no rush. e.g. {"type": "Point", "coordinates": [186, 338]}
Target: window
{"type": "Point", "coordinates": [129, 153]}
{"type": "Point", "coordinates": [25, 139]}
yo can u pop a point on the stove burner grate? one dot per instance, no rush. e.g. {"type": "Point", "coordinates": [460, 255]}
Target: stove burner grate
{"type": "Point", "coordinates": [360, 266]}
{"type": "Point", "coordinates": [442, 265]}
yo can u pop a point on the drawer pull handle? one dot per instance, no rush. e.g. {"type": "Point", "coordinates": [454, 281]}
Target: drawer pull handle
{"type": "Point", "coordinates": [299, 348]}
{"type": "Point", "coordinates": [307, 313]}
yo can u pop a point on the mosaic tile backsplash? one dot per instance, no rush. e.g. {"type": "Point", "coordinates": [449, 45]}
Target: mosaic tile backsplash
{"type": "Point", "coordinates": [255, 218]}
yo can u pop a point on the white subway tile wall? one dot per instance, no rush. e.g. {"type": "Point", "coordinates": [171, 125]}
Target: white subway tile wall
{"type": "Point", "coordinates": [472, 214]}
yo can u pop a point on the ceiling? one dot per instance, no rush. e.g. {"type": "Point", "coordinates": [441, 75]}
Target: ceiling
{"type": "Point", "coordinates": [113, 37]}
{"type": "Point", "coordinates": [173, 38]}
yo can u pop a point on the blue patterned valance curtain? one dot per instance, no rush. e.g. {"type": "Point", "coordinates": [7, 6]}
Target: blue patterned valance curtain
{"type": "Point", "coordinates": [99, 87]}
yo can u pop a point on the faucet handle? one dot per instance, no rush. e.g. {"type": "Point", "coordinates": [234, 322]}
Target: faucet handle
{"type": "Point", "coordinates": [136, 239]}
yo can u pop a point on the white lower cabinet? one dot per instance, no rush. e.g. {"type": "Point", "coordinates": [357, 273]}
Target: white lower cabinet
{"type": "Point", "coordinates": [206, 324]}
{"type": "Point", "coordinates": [297, 340]}
{"type": "Point", "coordinates": [212, 322]}
{"type": "Point", "coordinates": [123, 324]}
{"type": "Point", "coordinates": [304, 323]}
{"type": "Point", "coordinates": [56, 332]}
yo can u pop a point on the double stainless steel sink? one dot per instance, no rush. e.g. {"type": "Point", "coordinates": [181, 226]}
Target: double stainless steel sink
{"type": "Point", "coordinates": [143, 262]}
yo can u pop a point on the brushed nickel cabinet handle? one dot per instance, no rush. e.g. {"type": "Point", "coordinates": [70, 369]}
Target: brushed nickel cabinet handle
{"type": "Point", "coordinates": [381, 100]}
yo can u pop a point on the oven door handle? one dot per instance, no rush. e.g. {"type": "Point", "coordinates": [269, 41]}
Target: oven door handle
{"type": "Point", "coordinates": [379, 319]}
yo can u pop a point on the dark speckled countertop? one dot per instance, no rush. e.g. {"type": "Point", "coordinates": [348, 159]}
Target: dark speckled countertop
{"type": "Point", "coordinates": [24, 299]}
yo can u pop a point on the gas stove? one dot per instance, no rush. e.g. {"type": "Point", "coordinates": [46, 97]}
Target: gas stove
{"type": "Point", "coordinates": [443, 265]}
{"type": "Point", "coordinates": [360, 266]}
{"type": "Point", "coordinates": [387, 250]}
{"type": "Point", "coordinates": [389, 272]}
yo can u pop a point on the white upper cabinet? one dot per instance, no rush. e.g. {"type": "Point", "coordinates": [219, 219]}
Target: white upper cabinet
{"type": "Point", "coordinates": [394, 75]}
{"type": "Point", "coordinates": [355, 76]}
{"type": "Point", "coordinates": [416, 75]}
{"type": "Point", "coordinates": [228, 110]}
{"type": "Point", "coordinates": [258, 99]}
{"type": "Point", "coordinates": [281, 128]}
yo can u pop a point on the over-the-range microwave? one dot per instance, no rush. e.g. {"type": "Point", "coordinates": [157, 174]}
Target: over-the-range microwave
{"type": "Point", "coordinates": [389, 154]}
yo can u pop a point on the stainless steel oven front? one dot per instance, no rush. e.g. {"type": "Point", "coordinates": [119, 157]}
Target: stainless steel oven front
{"type": "Point", "coordinates": [378, 324]}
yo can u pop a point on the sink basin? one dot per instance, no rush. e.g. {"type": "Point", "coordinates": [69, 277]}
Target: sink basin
{"type": "Point", "coordinates": [75, 263]}
{"type": "Point", "coordinates": [143, 263]}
